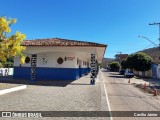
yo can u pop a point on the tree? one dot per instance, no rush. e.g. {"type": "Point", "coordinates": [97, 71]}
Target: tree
{"type": "Point", "coordinates": [100, 65]}
{"type": "Point", "coordinates": [8, 63]}
{"type": "Point", "coordinates": [124, 64]}
{"type": "Point", "coordinates": [139, 61]}
{"type": "Point", "coordinates": [10, 45]}
{"type": "Point", "coordinates": [142, 61]}
{"type": "Point", "coordinates": [115, 66]}
{"type": "Point", "coordinates": [130, 63]}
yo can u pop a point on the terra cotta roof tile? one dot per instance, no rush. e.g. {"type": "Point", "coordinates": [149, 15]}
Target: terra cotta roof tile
{"type": "Point", "coordinates": [60, 42]}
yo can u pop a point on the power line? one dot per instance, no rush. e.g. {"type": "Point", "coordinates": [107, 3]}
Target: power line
{"type": "Point", "coordinates": [151, 44]}
{"type": "Point", "coordinates": [159, 31]}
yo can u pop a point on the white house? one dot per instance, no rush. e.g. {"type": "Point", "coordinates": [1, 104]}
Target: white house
{"type": "Point", "coordinates": [56, 59]}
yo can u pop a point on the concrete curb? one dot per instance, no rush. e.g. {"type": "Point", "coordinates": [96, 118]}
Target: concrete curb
{"type": "Point", "coordinates": [12, 89]}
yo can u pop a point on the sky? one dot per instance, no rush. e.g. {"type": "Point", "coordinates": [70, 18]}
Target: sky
{"type": "Point", "coordinates": [116, 23]}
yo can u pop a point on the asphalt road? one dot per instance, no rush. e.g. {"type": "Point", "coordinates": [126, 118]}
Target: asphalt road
{"type": "Point", "coordinates": [125, 97]}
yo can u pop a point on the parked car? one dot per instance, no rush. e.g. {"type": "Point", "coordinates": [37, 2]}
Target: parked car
{"type": "Point", "coordinates": [121, 72]}
{"type": "Point", "coordinates": [114, 70]}
{"type": "Point", "coordinates": [129, 74]}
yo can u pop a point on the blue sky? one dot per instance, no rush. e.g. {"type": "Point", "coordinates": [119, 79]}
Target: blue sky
{"type": "Point", "coordinates": [116, 23]}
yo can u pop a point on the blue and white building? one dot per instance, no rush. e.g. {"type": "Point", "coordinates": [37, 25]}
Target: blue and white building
{"type": "Point", "coordinates": [56, 59]}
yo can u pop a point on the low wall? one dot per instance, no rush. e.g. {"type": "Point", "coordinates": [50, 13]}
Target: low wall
{"type": "Point", "coordinates": [147, 74]}
{"type": "Point", "coordinates": [6, 71]}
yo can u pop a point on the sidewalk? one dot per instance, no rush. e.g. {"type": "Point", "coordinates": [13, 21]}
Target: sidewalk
{"type": "Point", "coordinates": [150, 86]}
{"type": "Point", "coordinates": [147, 80]}
{"type": "Point", "coordinates": [76, 95]}
{"type": "Point", "coordinates": [139, 80]}
{"type": "Point", "coordinates": [153, 83]}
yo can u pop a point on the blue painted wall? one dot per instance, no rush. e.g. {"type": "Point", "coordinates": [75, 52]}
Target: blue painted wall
{"type": "Point", "coordinates": [21, 72]}
{"type": "Point", "coordinates": [50, 73]}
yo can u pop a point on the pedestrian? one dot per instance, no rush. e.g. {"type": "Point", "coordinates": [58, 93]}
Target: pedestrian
{"type": "Point", "coordinates": [1, 72]}
{"type": "Point", "coordinates": [6, 72]}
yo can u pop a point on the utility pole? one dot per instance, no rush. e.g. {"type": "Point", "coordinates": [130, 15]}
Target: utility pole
{"type": "Point", "coordinates": [119, 59]}
{"type": "Point", "coordinates": [119, 56]}
{"type": "Point", "coordinates": [119, 52]}
{"type": "Point", "coordinates": [159, 31]}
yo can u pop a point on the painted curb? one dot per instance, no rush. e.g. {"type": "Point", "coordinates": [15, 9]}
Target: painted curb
{"type": "Point", "coordinates": [12, 89]}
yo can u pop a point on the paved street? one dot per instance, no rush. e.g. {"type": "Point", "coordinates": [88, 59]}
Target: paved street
{"type": "Point", "coordinates": [124, 97]}
{"type": "Point", "coordinates": [78, 95]}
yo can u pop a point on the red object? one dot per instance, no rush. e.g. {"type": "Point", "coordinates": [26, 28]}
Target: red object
{"type": "Point", "coordinates": [155, 92]}
{"type": "Point", "coordinates": [129, 81]}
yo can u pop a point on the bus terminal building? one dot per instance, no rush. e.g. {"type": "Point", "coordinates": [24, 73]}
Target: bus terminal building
{"type": "Point", "coordinates": [56, 59]}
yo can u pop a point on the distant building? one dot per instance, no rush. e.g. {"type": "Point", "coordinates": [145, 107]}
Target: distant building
{"type": "Point", "coordinates": [107, 61]}
{"type": "Point", "coordinates": [56, 59]}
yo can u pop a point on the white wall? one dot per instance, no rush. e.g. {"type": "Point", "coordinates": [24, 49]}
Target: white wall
{"type": "Point", "coordinates": [52, 60]}
{"type": "Point", "coordinates": [81, 59]}
{"type": "Point", "coordinates": [53, 56]}
{"type": "Point", "coordinates": [17, 61]}
{"type": "Point", "coordinates": [9, 71]}
{"type": "Point", "coordinates": [84, 51]}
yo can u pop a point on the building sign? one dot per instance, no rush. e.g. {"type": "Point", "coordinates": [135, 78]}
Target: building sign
{"type": "Point", "coordinates": [69, 58]}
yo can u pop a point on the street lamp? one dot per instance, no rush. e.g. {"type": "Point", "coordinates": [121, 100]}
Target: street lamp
{"type": "Point", "coordinates": [148, 40]}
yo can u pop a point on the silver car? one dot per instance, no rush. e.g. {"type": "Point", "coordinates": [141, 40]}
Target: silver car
{"type": "Point", "coordinates": [129, 74]}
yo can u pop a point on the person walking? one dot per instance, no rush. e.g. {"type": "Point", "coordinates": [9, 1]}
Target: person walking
{"type": "Point", "coordinates": [6, 72]}
{"type": "Point", "coordinates": [1, 72]}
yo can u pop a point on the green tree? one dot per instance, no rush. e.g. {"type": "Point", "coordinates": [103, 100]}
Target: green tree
{"type": "Point", "coordinates": [130, 63]}
{"type": "Point", "coordinates": [100, 65]}
{"type": "Point", "coordinates": [8, 63]}
{"type": "Point", "coordinates": [139, 61]}
{"type": "Point", "coordinates": [115, 66]}
{"type": "Point", "coordinates": [124, 64]}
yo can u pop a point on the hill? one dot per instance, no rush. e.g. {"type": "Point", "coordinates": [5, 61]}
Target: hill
{"type": "Point", "coordinates": [154, 53]}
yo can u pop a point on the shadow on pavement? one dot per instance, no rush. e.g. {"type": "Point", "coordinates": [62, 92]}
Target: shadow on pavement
{"type": "Point", "coordinates": [120, 83]}
{"type": "Point", "coordinates": [115, 76]}
{"type": "Point", "coordinates": [58, 83]}
{"type": "Point", "coordinates": [114, 73]}
{"type": "Point", "coordinates": [79, 84]}
{"type": "Point", "coordinates": [104, 70]}
{"type": "Point", "coordinates": [86, 77]}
